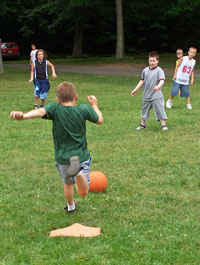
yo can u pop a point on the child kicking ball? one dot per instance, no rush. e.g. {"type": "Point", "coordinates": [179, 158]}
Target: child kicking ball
{"type": "Point", "coordinates": [69, 133]}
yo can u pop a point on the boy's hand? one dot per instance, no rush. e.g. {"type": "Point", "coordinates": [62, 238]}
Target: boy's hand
{"type": "Point", "coordinates": [92, 100]}
{"type": "Point", "coordinates": [191, 82]}
{"type": "Point", "coordinates": [17, 115]}
{"type": "Point", "coordinates": [174, 78]}
{"type": "Point", "coordinates": [54, 75]}
{"type": "Point", "coordinates": [30, 80]}
{"type": "Point", "coordinates": [156, 88]}
{"type": "Point", "coordinates": [133, 93]}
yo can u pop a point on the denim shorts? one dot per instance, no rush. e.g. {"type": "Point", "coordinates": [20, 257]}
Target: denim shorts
{"type": "Point", "coordinates": [85, 168]}
{"type": "Point", "coordinates": [184, 90]}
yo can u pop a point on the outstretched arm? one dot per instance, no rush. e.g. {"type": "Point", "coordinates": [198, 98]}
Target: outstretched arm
{"type": "Point", "coordinates": [139, 85]}
{"type": "Point", "coordinates": [36, 113]}
{"type": "Point", "coordinates": [94, 103]}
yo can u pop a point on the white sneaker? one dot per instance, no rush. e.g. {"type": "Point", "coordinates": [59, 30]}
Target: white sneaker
{"type": "Point", "coordinates": [189, 106]}
{"type": "Point", "coordinates": [140, 127]}
{"type": "Point", "coordinates": [164, 128]}
{"type": "Point", "coordinates": [169, 104]}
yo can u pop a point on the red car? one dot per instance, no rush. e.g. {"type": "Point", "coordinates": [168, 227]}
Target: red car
{"type": "Point", "coordinates": [10, 50]}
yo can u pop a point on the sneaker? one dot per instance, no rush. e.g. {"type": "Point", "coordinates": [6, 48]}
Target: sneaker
{"type": "Point", "coordinates": [189, 106]}
{"type": "Point", "coordinates": [169, 104]}
{"type": "Point", "coordinates": [164, 128]}
{"type": "Point", "coordinates": [140, 127]}
{"type": "Point", "coordinates": [70, 211]}
{"type": "Point", "coordinates": [41, 106]}
{"type": "Point", "coordinates": [74, 167]}
{"type": "Point", "coordinates": [36, 106]}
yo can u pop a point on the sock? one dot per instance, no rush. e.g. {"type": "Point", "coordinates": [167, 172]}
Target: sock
{"type": "Point", "coordinates": [71, 207]}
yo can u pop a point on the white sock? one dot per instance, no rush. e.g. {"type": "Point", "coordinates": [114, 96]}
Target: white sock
{"type": "Point", "coordinates": [71, 207]}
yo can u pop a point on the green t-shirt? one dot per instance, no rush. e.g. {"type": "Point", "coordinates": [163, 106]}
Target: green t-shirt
{"type": "Point", "coordinates": [69, 130]}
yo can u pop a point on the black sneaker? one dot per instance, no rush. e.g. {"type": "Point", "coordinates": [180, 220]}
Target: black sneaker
{"type": "Point", "coordinates": [72, 211]}
{"type": "Point", "coordinates": [74, 167]}
{"type": "Point", "coordinates": [41, 106]}
{"type": "Point", "coordinates": [36, 106]}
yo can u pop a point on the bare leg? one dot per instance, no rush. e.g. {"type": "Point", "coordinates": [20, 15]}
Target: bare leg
{"type": "Point", "coordinates": [69, 193]}
{"type": "Point", "coordinates": [36, 101]}
{"type": "Point", "coordinates": [163, 122]}
{"type": "Point", "coordinates": [171, 97]}
{"type": "Point", "coordinates": [188, 100]}
{"type": "Point", "coordinates": [82, 184]}
{"type": "Point", "coordinates": [43, 101]}
{"type": "Point", "coordinates": [143, 122]}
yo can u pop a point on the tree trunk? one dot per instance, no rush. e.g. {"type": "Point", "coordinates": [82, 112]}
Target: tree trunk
{"type": "Point", "coordinates": [120, 30]}
{"type": "Point", "coordinates": [1, 63]}
{"type": "Point", "coordinates": [78, 40]}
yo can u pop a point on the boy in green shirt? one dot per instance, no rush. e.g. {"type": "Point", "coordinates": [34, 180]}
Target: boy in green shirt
{"type": "Point", "coordinates": [69, 133]}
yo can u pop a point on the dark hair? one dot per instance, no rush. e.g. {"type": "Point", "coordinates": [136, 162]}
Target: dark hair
{"type": "Point", "coordinates": [154, 54]}
{"type": "Point", "coordinates": [40, 50]}
{"type": "Point", "coordinates": [66, 92]}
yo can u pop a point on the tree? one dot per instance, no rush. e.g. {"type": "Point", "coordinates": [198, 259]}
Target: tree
{"type": "Point", "coordinates": [120, 30]}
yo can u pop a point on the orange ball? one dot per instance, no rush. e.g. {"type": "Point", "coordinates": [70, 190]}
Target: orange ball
{"type": "Point", "coordinates": [98, 181]}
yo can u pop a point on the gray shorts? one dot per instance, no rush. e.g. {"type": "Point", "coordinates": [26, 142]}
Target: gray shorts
{"type": "Point", "coordinates": [158, 107]}
{"type": "Point", "coordinates": [85, 168]}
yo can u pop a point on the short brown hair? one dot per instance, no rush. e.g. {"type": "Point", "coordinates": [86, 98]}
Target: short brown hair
{"type": "Point", "coordinates": [66, 92]}
{"type": "Point", "coordinates": [40, 50]}
{"type": "Point", "coordinates": [154, 54]}
{"type": "Point", "coordinates": [193, 48]}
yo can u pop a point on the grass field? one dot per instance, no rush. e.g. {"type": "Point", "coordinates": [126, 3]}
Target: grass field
{"type": "Point", "coordinates": [149, 213]}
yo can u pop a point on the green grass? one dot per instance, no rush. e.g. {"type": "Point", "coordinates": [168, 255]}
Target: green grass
{"type": "Point", "coordinates": [149, 213]}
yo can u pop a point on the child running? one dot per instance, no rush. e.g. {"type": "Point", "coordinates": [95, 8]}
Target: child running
{"type": "Point", "coordinates": [33, 54]}
{"type": "Point", "coordinates": [183, 71]}
{"type": "Point", "coordinates": [39, 76]}
{"type": "Point", "coordinates": [153, 79]}
{"type": "Point", "coordinates": [69, 133]}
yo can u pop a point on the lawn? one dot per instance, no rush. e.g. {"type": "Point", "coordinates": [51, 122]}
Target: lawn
{"type": "Point", "coordinates": [149, 213]}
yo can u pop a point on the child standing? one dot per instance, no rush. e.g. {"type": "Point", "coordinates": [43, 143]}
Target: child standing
{"type": "Point", "coordinates": [153, 79]}
{"type": "Point", "coordinates": [39, 76]}
{"type": "Point", "coordinates": [183, 71]}
{"type": "Point", "coordinates": [69, 134]}
{"type": "Point", "coordinates": [33, 54]}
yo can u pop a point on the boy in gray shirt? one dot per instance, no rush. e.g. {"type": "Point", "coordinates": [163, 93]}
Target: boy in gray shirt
{"type": "Point", "coordinates": [153, 79]}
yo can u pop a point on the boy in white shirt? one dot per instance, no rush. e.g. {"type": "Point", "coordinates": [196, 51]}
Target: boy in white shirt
{"type": "Point", "coordinates": [33, 54]}
{"type": "Point", "coordinates": [183, 71]}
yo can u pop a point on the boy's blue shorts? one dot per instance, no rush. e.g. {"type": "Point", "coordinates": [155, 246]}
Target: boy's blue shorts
{"type": "Point", "coordinates": [85, 168]}
{"type": "Point", "coordinates": [184, 90]}
{"type": "Point", "coordinates": [41, 88]}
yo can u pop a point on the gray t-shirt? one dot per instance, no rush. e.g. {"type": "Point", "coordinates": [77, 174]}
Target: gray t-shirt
{"type": "Point", "coordinates": [151, 78]}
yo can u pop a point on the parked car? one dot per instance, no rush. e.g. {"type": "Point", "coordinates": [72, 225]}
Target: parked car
{"type": "Point", "coordinates": [10, 50]}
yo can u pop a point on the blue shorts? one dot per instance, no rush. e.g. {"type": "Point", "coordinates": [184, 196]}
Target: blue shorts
{"type": "Point", "coordinates": [85, 168]}
{"type": "Point", "coordinates": [184, 90]}
{"type": "Point", "coordinates": [41, 88]}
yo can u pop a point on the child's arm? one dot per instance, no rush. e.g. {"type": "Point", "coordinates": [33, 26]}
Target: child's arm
{"type": "Point", "coordinates": [32, 69]}
{"type": "Point", "coordinates": [139, 85]}
{"type": "Point", "coordinates": [176, 68]}
{"type": "Point", "coordinates": [36, 113]}
{"type": "Point", "coordinates": [94, 103]}
{"type": "Point", "coordinates": [192, 78]}
{"type": "Point", "coordinates": [52, 69]}
{"type": "Point", "coordinates": [159, 85]}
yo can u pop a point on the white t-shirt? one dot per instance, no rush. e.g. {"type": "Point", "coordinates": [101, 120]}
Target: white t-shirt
{"type": "Point", "coordinates": [184, 71]}
{"type": "Point", "coordinates": [33, 54]}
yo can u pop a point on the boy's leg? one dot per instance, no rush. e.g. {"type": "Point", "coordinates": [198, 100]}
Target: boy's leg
{"type": "Point", "coordinates": [174, 92]}
{"type": "Point", "coordinates": [146, 106]}
{"type": "Point", "coordinates": [69, 193]}
{"type": "Point", "coordinates": [159, 110]}
{"type": "Point", "coordinates": [186, 93]}
{"type": "Point", "coordinates": [82, 184]}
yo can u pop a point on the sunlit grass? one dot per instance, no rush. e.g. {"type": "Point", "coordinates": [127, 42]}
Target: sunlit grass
{"type": "Point", "coordinates": [149, 213]}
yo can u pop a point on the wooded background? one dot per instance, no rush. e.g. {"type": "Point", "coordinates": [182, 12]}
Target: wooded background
{"type": "Point", "coordinates": [101, 27]}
